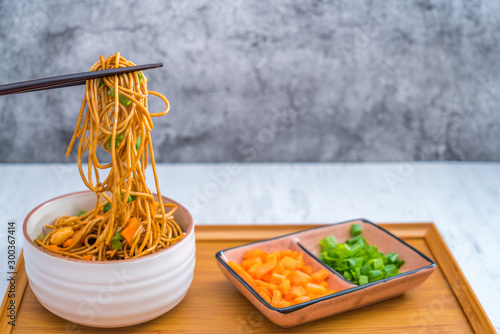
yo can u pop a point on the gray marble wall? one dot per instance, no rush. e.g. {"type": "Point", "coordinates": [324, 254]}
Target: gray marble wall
{"type": "Point", "coordinates": [268, 81]}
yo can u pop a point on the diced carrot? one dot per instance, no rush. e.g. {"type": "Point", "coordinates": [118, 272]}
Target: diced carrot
{"type": "Point", "coordinates": [281, 277]}
{"type": "Point", "coordinates": [285, 252]}
{"type": "Point", "coordinates": [323, 284]}
{"type": "Point", "coordinates": [289, 263]}
{"type": "Point", "coordinates": [320, 275]}
{"type": "Point", "coordinates": [236, 267]}
{"type": "Point", "coordinates": [255, 253]}
{"type": "Point", "coordinates": [297, 277]}
{"type": "Point", "coordinates": [267, 276]}
{"type": "Point", "coordinates": [297, 291]}
{"type": "Point", "coordinates": [67, 243]}
{"type": "Point", "coordinates": [128, 232]}
{"type": "Point", "coordinates": [284, 303]}
{"type": "Point", "coordinates": [301, 299]}
{"type": "Point", "coordinates": [266, 285]}
{"type": "Point", "coordinates": [284, 287]}
{"type": "Point", "coordinates": [87, 257]}
{"type": "Point", "coordinates": [246, 276]}
{"type": "Point", "coordinates": [54, 247]}
{"type": "Point", "coordinates": [240, 271]}
{"type": "Point", "coordinates": [273, 258]}
{"type": "Point", "coordinates": [276, 298]}
{"type": "Point", "coordinates": [246, 264]}
{"type": "Point", "coordinates": [315, 289]}
{"type": "Point", "coordinates": [253, 268]}
{"type": "Point", "coordinates": [300, 260]}
{"type": "Point", "coordinates": [258, 272]}
{"type": "Point", "coordinates": [277, 279]}
{"type": "Point", "coordinates": [307, 269]}
{"type": "Point", "coordinates": [278, 269]}
{"type": "Point", "coordinates": [263, 290]}
{"type": "Point", "coordinates": [265, 296]}
{"type": "Point", "coordinates": [259, 282]}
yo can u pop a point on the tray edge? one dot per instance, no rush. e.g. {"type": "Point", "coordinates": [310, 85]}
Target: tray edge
{"type": "Point", "coordinates": [20, 286]}
{"type": "Point", "coordinates": [466, 297]}
{"type": "Point", "coordinates": [471, 306]}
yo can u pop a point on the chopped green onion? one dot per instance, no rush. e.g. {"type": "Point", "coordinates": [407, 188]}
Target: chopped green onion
{"type": "Point", "coordinates": [399, 263]}
{"type": "Point", "coordinates": [374, 275]}
{"type": "Point", "coordinates": [138, 143]}
{"type": "Point", "coordinates": [130, 197]}
{"type": "Point", "coordinates": [355, 230]}
{"type": "Point", "coordinates": [343, 250]}
{"type": "Point", "coordinates": [392, 257]}
{"type": "Point", "coordinates": [123, 100]}
{"type": "Point", "coordinates": [118, 140]}
{"type": "Point", "coordinates": [116, 241]}
{"type": "Point", "coordinates": [140, 77]}
{"type": "Point", "coordinates": [355, 274]}
{"type": "Point", "coordinates": [329, 242]}
{"type": "Point", "coordinates": [365, 269]}
{"type": "Point", "coordinates": [378, 263]}
{"type": "Point", "coordinates": [41, 236]}
{"type": "Point", "coordinates": [355, 249]}
{"type": "Point", "coordinates": [81, 213]}
{"type": "Point", "coordinates": [391, 270]}
{"type": "Point", "coordinates": [357, 240]}
{"type": "Point", "coordinates": [101, 83]}
{"type": "Point", "coordinates": [106, 207]}
{"type": "Point", "coordinates": [358, 261]}
{"type": "Point", "coordinates": [363, 279]}
{"type": "Point", "coordinates": [350, 263]}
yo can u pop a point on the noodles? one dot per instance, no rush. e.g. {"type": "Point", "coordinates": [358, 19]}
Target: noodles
{"type": "Point", "coordinates": [127, 221]}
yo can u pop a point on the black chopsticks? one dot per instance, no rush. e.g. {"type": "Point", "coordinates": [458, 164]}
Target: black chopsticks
{"type": "Point", "coordinates": [68, 80]}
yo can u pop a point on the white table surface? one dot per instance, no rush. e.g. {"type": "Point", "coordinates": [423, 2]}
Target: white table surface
{"type": "Point", "coordinates": [462, 199]}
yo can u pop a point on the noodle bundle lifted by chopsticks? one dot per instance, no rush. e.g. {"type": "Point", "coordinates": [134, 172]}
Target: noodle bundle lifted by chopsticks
{"type": "Point", "coordinates": [127, 221]}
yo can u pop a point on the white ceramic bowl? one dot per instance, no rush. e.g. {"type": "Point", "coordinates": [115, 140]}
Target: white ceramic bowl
{"type": "Point", "coordinates": [106, 293]}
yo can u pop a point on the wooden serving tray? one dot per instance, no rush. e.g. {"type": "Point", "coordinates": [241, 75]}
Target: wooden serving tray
{"type": "Point", "coordinates": [443, 303]}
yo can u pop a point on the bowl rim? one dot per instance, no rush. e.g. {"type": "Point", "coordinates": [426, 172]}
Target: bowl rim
{"type": "Point", "coordinates": [293, 308]}
{"type": "Point", "coordinates": [189, 231]}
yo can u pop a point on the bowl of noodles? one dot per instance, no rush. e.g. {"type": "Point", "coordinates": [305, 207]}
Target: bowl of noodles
{"type": "Point", "coordinates": [111, 293]}
{"type": "Point", "coordinates": [118, 254]}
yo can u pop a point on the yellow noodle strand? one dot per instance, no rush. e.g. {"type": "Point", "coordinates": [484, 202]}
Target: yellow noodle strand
{"type": "Point", "coordinates": [114, 118]}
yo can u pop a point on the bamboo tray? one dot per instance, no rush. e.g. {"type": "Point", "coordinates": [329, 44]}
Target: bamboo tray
{"type": "Point", "coordinates": [444, 303]}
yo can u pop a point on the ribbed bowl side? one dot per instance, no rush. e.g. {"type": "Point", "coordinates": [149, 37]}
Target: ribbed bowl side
{"type": "Point", "coordinates": [106, 294]}
{"type": "Point", "coordinates": [111, 295]}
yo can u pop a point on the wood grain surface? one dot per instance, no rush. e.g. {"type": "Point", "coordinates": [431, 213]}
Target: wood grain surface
{"type": "Point", "coordinates": [444, 303]}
